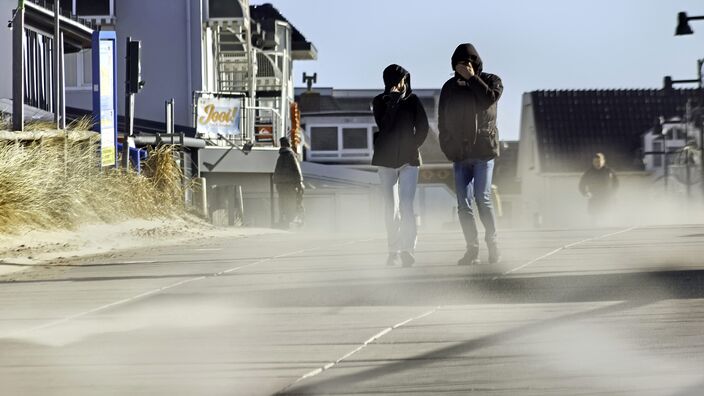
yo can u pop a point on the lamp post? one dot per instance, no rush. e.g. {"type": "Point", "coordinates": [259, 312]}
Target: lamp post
{"type": "Point", "coordinates": [18, 40]}
{"type": "Point", "coordinates": [682, 29]}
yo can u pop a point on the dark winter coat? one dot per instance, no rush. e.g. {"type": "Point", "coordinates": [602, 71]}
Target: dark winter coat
{"type": "Point", "coordinates": [467, 111]}
{"type": "Point", "coordinates": [600, 183]}
{"type": "Point", "coordinates": [403, 124]}
{"type": "Point", "coordinates": [287, 170]}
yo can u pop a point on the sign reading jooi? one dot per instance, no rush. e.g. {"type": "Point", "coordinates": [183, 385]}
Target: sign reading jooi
{"type": "Point", "coordinates": [105, 94]}
{"type": "Point", "coordinates": [219, 116]}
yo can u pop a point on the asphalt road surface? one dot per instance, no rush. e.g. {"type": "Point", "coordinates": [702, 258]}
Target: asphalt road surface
{"type": "Point", "coordinates": [568, 312]}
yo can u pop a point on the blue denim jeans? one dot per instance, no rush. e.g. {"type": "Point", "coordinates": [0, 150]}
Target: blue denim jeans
{"type": "Point", "coordinates": [398, 187]}
{"type": "Point", "coordinates": [473, 180]}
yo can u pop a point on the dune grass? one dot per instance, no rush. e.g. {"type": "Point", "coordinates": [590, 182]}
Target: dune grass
{"type": "Point", "coordinates": [56, 183]}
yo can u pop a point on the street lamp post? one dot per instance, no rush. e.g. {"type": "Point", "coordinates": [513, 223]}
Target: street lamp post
{"type": "Point", "coordinates": [682, 29]}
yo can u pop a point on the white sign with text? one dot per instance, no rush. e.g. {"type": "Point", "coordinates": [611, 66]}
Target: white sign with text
{"type": "Point", "coordinates": [219, 116]}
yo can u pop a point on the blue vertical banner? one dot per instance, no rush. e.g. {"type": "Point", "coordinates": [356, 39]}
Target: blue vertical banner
{"type": "Point", "coordinates": [105, 94]}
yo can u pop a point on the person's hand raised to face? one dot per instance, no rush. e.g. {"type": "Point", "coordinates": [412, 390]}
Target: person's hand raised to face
{"type": "Point", "coordinates": [400, 87]}
{"type": "Point", "coordinates": [465, 69]}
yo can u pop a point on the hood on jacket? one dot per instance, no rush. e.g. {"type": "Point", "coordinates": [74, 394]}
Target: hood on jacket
{"type": "Point", "coordinates": [393, 75]}
{"type": "Point", "coordinates": [467, 51]}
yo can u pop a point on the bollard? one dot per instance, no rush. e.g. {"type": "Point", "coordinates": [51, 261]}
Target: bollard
{"type": "Point", "coordinates": [200, 192]}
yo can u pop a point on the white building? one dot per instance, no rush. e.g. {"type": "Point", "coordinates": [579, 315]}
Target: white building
{"type": "Point", "coordinates": [193, 48]}
{"type": "Point", "coordinates": [672, 139]}
{"type": "Point", "coordinates": [560, 133]}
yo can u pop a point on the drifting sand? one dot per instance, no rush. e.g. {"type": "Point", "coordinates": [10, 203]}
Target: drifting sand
{"type": "Point", "coordinates": [36, 249]}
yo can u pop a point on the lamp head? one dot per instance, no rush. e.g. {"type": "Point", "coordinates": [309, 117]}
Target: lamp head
{"type": "Point", "coordinates": [683, 27]}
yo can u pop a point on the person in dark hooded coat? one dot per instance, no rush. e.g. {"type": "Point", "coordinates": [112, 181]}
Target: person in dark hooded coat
{"type": "Point", "coordinates": [470, 139]}
{"type": "Point", "coordinates": [289, 183]}
{"type": "Point", "coordinates": [403, 127]}
{"type": "Point", "coordinates": [599, 184]}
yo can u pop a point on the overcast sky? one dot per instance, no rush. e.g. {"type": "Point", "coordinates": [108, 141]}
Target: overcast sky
{"type": "Point", "coordinates": [531, 45]}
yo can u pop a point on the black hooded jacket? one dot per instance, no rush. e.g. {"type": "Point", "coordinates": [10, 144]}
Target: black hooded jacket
{"type": "Point", "coordinates": [467, 111]}
{"type": "Point", "coordinates": [287, 170]}
{"type": "Point", "coordinates": [403, 124]}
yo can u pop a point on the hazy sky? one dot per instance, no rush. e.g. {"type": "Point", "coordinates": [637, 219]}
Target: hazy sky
{"type": "Point", "coordinates": [531, 45]}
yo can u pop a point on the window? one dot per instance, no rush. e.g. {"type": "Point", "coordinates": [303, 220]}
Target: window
{"type": "Point", "coordinates": [66, 5]}
{"type": "Point", "coordinates": [71, 67]}
{"type": "Point", "coordinates": [79, 71]}
{"type": "Point", "coordinates": [82, 7]}
{"type": "Point", "coordinates": [657, 158]}
{"type": "Point", "coordinates": [223, 9]}
{"type": "Point", "coordinates": [354, 138]}
{"type": "Point", "coordinates": [93, 7]}
{"type": "Point", "coordinates": [87, 67]}
{"type": "Point", "coordinates": [323, 138]}
{"type": "Point", "coordinates": [680, 134]}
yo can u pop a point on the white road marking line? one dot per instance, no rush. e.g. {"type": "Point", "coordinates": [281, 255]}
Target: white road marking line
{"type": "Point", "coordinates": [103, 307]}
{"type": "Point", "coordinates": [158, 290]}
{"type": "Point", "coordinates": [366, 343]}
{"type": "Point", "coordinates": [136, 262]}
{"type": "Point", "coordinates": [573, 244]}
{"type": "Point", "coordinates": [208, 249]}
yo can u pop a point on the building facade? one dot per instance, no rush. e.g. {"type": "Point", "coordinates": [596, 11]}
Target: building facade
{"type": "Point", "coordinates": [192, 49]}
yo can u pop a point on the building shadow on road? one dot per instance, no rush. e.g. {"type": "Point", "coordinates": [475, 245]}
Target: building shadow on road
{"type": "Point", "coordinates": [419, 361]}
{"type": "Point", "coordinates": [430, 290]}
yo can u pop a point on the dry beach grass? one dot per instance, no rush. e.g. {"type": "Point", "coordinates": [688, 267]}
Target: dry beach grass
{"type": "Point", "coordinates": [52, 181]}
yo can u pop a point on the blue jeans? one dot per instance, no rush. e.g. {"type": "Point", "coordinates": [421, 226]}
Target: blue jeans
{"type": "Point", "coordinates": [398, 187]}
{"type": "Point", "coordinates": [473, 180]}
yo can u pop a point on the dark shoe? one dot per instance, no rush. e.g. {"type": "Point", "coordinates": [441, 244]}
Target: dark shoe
{"type": "Point", "coordinates": [407, 259]}
{"type": "Point", "coordinates": [494, 255]}
{"type": "Point", "coordinates": [471, 257]}
{"type": "Point", "coordinates": [392, 259]}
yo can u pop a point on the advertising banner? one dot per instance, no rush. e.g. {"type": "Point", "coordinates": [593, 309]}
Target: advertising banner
{"type": "Point", "coordinates": [219, 116]}
{"type": "Point", "coordinates": [105, 95]}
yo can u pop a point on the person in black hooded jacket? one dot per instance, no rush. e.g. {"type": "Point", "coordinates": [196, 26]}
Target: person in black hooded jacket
{"type": "Point", "coordinates": [403, 127]}
{"type": "Point", "coordinates": [469, 138]}
{"type": "Point", "coordinates": [289, 183]}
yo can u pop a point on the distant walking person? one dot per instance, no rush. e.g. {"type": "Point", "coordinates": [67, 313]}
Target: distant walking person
{"type": "Point", "coordinates": [599, 184]}
{"type": "Point", "coordinates": [403, 127]}
{"type": "Point", "coordinates": [469, 138]}
{"type": "Point", "coordinates": [289, 183]}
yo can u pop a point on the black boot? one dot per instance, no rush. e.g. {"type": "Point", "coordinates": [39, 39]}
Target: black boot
{"type": "Point", "coordinates": [407, 259]}
{"type": "Point", "coordinates": [471, 256]}
{"type": "Point", "coordinates": [494, 255]}
{"type": "Point", "coordinates": [392, 259]}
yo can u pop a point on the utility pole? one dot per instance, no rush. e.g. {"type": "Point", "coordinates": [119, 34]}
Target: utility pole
{"type": "Point", "coordinates": [57, 65]}
{"type": "Point", "coordinates": [18, 68]}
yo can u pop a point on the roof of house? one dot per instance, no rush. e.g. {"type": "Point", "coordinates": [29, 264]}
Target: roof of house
{"type": "Point", "coordinates": [327, 102]}
{"type": "Point", "coordinates": [572, 125]}
{"type": "Point", "coordinates": [266, 14]}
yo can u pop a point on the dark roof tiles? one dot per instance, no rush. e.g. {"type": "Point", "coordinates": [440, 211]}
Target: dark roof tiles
{"type": "Point", "coordinates": [571, 125]}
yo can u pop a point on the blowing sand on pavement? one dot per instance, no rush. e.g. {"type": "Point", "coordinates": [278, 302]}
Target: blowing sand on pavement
{"type": "Point", "coordinates": [33, 249]}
